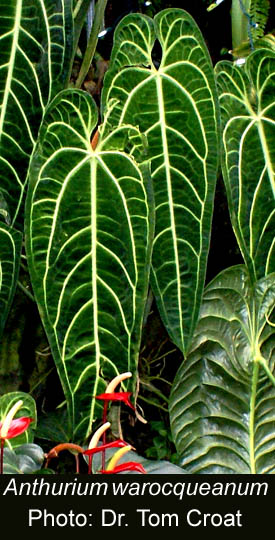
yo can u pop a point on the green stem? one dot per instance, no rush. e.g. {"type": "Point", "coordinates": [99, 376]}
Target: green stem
{"type": "Point", "coordinates": [79, 7]}
{"type": "Point", "coordinates": [92, 43]}
{"type": "Point", "coordinates": [27, 293]}
{"type": "Point", "coordinates": [239, 22]}
{"type": "Point", "coordinates": [148, 307]}
{"type": "Point", "coordinates": [43, 378]}
{"type": "Point", "coordinates": [252, 417]}
{"type": "Point", "coordinates": [79, 16]}
{"type": "Point", "coordinates": [269, 322]}
{"type": "Point", "coordinates": [153, 404]}
{"type": "Point", "coordinates": [23, 266]}
{"type": "Point", "coordinates": [263, 363]}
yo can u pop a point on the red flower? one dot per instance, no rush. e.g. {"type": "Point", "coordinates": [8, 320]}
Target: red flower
{"type": "Point", "coordinates": [128, 466]}
{"type": "Point", "coordinates": [117, 396]}
{"type": "Point", "coordinates": [17, 426]}
{"type": "Point", "coordinates": [115, 444]}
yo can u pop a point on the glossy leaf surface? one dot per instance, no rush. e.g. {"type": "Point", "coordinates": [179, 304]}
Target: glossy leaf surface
{"type": "Point", "coordinates": [25, 459]}
{"type": "Point", "coordinates": [248, 118]}
{"type": "Point", "coordinates": [10, 250]}
{"type": "Point", "coordinates": [173, 101]}
{"type": "Point", "coordinates": [222, 404]}
{"type": "Point", "coordinates": [35, 49]}
{"type": "Point", "coordinates": [89, 229]}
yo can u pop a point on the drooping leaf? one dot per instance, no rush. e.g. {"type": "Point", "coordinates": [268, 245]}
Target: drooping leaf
{"type": "Point", "coordinates": [35, 50]}
{"type": "Point", "coordinates": [25, 459]}
{"type": "Point", "coordinates": [222, 404]}
{"type": "Point", "coordinates": [88, 237]}
{"type": "Point", "coordinates": [28, 408]}
{"type": "Point", "coordinates": [10, 250]}
{"type": "Point", "coordinates": [175, 105]}
{"type": "Point", "coordinates": [248, 118]}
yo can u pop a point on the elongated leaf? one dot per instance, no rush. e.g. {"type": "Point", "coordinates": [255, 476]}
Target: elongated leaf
{"type": "Point", "coordinates": [35, 50]}
{"type": "Point", "coordinates": [10, 249]}
{"type": "Point", "coordinates": [7, 401]}
{"type": "Point", "coordinates": [248, 117]}
{"type": "Point", "coordinates": [89, 224]}
{"type": "Point", "coordinates": [175, 106]}
{"type": "Point", "coordinates": [222, 404]}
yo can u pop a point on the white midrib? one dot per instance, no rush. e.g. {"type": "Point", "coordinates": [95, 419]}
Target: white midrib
{"type": "Point", "coordinates": [266, 155]}
{"type": "Point", "coordinates": [16, 27]}
{"type": "Point", "coordinates": [94, 270]}
{"type": "Point", "coordinates": [169, 189]}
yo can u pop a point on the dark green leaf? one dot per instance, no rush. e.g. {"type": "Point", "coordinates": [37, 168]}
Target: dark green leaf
{"type": "Point", "coordinates": [88, 237]}
{"type": "Point", "coordinates": [10, 250]}
{"type": "Point", "coordinates": [53, 426]}
{"type": "Point", "coordinates": [175, 105]}
{"type": "Point", "coordinates": [222, 404]}
{"type": "Point", "coordinates": [36, 45]}
{"type": "Point", "coordinates": [248, 117]}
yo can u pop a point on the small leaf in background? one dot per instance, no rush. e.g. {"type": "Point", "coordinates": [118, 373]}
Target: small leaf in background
{"type": "Point", "coordinates": [28, 409]}
{"type": "Point", "coordinates": [25, 459]}
{"type": "Point", "coordinates": [53, 426]}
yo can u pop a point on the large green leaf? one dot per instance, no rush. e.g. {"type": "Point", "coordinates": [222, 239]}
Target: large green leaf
{"type": "Point", "coordinates": [10, 250]}
{"type": "Point", "coordinates": [222, 404]}
{"type": "Point", "coordinates": [35, 45]}
{"type": "Point", "coordinates": [248, 117]}
{"type": "Point", "coordinates": [175, 105]}
{"type": "Point", "coordinates": [28, 408]}
{"type": "Point", "coordinates": [88, 236]}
